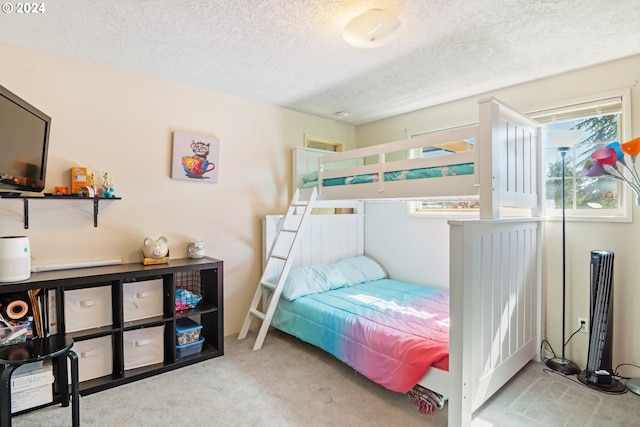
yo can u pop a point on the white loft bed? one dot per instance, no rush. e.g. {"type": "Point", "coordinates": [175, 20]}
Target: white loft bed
{"type": "Point", "coordinates": [495, 263]}
{"type": "Point", "coordinates": [504, 161]}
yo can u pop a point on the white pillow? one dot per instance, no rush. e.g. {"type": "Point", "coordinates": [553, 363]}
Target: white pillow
{"type": "Point", "coordinates": [359, 269]}
{"type": "Point", "coordinates": [312, 279]}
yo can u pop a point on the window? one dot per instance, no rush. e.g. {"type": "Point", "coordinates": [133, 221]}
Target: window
{"type": "Point", "coordinates": [322, 143]}
{"type": "Point", "coordinates": [603, 122]}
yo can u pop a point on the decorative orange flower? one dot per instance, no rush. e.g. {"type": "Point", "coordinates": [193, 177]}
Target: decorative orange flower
{"type": "Point", "coordinates": [632, 147]}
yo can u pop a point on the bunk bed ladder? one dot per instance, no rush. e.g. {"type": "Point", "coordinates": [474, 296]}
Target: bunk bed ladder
{"type": "Point", "coordinates": [277, 267]}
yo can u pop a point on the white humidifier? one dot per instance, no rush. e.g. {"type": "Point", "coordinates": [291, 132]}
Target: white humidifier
{"type": "Point", "coordinates": [15, 258]}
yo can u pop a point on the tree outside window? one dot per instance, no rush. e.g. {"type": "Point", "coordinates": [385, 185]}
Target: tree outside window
{"type": "Point", "coordinates": [582, 192]}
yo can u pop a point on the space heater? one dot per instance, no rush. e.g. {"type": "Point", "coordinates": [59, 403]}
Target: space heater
{"type": "Point", "coordinates": [599, 372]}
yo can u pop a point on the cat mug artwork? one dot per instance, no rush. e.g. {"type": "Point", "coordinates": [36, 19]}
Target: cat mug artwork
{"type": "Point", "coordinates": [195, 158]}
{"type": "Point", "coordinates": [197, 164]}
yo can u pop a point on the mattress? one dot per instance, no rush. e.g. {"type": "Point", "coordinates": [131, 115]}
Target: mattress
{"type": "Point", "coordinates": [311, 179]}
{"type": "Point", "coordinates": [389, 331]}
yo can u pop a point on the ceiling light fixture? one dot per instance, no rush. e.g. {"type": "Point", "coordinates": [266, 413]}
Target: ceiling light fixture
{"type": "Point", "coordinates": [372, 28]}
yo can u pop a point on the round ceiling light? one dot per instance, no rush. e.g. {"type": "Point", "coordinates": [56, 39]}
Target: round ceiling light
{"type": "Point", "coordinates": [372, 28]}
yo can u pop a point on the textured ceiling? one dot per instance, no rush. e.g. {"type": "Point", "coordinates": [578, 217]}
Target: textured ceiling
{"type": "Point", "coordinates": [291, 53]}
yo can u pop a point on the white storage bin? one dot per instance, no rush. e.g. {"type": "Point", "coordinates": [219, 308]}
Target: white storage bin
{"type": "Point", "coordinates": [31, 388]}
{"type": "Point", "coordinates": [143, 347]}
{"type": "Point", "coordinates": [141, 300]}
{"type": "Point", "coordinates": [95, 358]}
{"type": "Point", "coordinates": [87, 308]}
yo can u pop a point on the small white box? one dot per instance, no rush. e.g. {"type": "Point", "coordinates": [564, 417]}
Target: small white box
{"type": "Point", "coordinates": [26, 399]}
{"type": "Point", "coordinates": [143, 347]}
{"type": "Point", "coordinates": [31, 388]}
{"type": "Point", "coordinates": [141, 300]}
{"type": "Point", "coordinates": [95, 358]}
{"type": "Point", "coordinates": [27, 380]}
{"type": "Point", "coordinates": [87, 308]}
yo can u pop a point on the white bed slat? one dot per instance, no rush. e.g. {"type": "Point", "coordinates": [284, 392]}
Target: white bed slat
{"type": "Point", "coordinates": [327, 238]}
{"type": "Point", "coordinates": [504, 295]}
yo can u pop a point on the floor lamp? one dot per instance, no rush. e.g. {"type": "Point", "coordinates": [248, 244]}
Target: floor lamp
{"type": "Point", "coordinates": [563, 140]}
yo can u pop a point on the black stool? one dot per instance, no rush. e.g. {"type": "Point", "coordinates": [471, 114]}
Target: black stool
{"type": "Point", "coordinates": [57, 347]}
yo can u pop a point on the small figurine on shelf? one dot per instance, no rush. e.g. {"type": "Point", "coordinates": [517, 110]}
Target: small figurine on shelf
{"type": "Point", "coordinates": [92, 184]}
{"type": "Point", "coordinates": [107, 186]}
{"type": "Point", "coordinates": [196, 249]}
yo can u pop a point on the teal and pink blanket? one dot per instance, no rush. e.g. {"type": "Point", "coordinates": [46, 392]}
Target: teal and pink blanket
{"type": "Point", "coordinates": [389, 331]}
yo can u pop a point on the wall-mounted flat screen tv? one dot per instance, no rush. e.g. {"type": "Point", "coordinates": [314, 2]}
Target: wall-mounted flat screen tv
{"type": "Point", "coordinates": [24, 141]}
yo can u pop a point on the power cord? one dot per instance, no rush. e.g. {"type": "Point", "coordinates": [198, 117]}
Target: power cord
{"type": "Point", "coordinates": [545, 342]}
{"type": "Point", "coordinates": [542, 346]}
{"type": "Point", "coordinates": [582, 323]}
{"type": "Point", "coordinates": [615, 371]}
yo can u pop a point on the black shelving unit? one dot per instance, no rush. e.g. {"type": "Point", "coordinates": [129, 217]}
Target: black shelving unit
{"type": "Point", "coordinates": [206, 272]}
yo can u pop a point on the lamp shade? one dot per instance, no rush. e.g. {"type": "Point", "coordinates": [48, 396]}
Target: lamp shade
{"type": "Point", "coordinates": [372, 28]}
{"type": "Point", "coordinates": [565, 138]}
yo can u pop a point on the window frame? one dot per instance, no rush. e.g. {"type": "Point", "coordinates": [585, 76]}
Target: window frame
{"type": "Point", "coordinates": [625, 212]}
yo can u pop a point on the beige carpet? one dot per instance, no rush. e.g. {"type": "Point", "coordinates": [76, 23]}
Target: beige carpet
{"type": "Point", "coordinates": [290, 383]}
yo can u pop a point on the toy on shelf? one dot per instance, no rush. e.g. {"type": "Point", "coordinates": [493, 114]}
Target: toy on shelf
{"type": "Point", "coordinates": [155, 251]}
{"type": "Point", "coordinates": [78, 178]}
{"type": "Point", "coordinates": [196, 249]}
{"type": "Point", "coordinates": [107, 190]}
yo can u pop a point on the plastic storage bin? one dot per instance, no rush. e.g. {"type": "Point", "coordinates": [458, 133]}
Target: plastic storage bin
{"type": "Point", "coordinates": [187, 331]}
{"type": "Point", "coordinates": [143, 347]}
{"type": "Point", "coordinates": [87, 308]}
{"type": "Point", "coordinates": [190, 349]}
{"type": "Point", "coordinates": [15, 334]}
{"type": "Point", "coordinates": [142, 299]}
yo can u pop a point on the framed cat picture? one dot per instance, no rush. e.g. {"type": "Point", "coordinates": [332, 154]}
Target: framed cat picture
{"type": "Point", "coordinates": [195, 158]}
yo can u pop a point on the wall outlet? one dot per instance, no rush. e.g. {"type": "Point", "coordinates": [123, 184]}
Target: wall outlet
{"type": "Point", "coordinates": [583, 324]}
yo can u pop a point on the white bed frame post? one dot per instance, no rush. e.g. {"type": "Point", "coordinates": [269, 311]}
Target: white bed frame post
{"type": "Point", "coordinates": [487, 161]}
{"type": "Point", "coordinates": [459, 404]}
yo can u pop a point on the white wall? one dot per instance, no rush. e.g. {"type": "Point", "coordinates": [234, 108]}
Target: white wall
{"type": "Point", "coordinates": [582, 237]}
{"type": "Point", "coordinates": [121, 122]}
{"type": "Point", "coordinates": [393, 242]}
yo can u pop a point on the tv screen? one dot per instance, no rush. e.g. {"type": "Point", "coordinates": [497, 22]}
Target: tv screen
{"type": "Point", "coordinates": [24, 141]}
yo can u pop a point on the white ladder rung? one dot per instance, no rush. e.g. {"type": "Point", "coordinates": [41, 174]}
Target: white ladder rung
{"type": "Point", "coordinates": [281, 257]}
{"type": "Point", "coordinates": [269, 285]}
{"type": "Point", "coordinates": [258, 314]}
